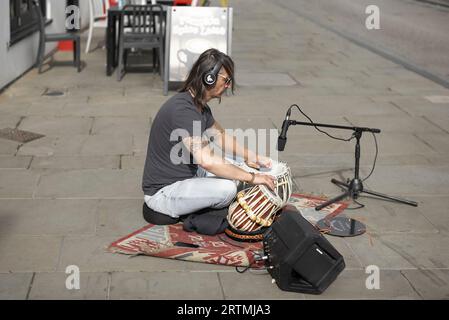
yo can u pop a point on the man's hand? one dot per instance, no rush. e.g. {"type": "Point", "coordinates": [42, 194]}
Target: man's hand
{"type": "Point", "coordinates": [264, 162]}
{"type": "Point", "coordinates": [261, 162]}
{"type": "Point", "coordinates": [265, 179]}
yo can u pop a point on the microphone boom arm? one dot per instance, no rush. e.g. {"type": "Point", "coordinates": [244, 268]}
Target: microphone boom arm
{"type": "Point", "coordinates": [294, 122]}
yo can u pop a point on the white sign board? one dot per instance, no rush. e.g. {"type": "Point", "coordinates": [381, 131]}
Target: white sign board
{"type": "Point", "coordinates": [191, 31]}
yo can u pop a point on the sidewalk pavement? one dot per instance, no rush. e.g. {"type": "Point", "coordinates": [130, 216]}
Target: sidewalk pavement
{"type": "Point", "coordinates": [67, 196]}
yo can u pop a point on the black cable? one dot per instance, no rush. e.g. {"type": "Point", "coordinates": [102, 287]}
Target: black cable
{"type": "Point", "coordinates": [375, 157]}
{"type": "Point", "coordinates": [322, 131]}
{"type": "Point", "coordinates": [257, 257]}
{"type": "Point", "coordinates": [242, 271]}
{"type": "Point", "coordinates": [361, 205]}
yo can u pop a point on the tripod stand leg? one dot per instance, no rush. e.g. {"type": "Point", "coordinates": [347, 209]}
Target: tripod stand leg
{"type": "Point", "coordinates": [381, 195]}
{"type": "Point", "coordinates": [377, 194]}
{"type": "Point", "coordinates": [333, 200]}
{"type": "Point", "coordinates": [339, 183]}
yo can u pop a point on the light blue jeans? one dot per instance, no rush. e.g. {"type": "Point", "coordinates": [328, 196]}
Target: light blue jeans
{"type": "Point", "coordinates": [205, 190]}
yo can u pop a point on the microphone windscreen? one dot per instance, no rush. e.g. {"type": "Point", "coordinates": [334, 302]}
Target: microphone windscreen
{"type": "Point", "coordinates": [281, 143]}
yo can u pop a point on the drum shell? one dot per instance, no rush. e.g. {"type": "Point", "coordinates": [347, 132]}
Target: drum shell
{"type": "Point", "coordinates": [262, 203]}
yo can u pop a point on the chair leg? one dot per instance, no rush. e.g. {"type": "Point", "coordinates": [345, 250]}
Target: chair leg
{"type": "Point", "coordinates": [154, 60]}
{"type": "Point", "coordinates": [78, 54]}
{"type": "Point", "coordinates": [120, 63]}
{"type": "Point", "coordinates": [161, 59]}
{"type": "Point", "coordinates": [89, 38]}
{"type": "Point", "coordinates": [75, 44]}
{"type": "Point", "coordinates": [40, 58]}
{"type": "Point", "coordinates": [125, 59]}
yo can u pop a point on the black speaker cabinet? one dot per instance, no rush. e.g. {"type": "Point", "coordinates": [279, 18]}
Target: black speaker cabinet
{"type": "Point", "coordinates": [300, 258]}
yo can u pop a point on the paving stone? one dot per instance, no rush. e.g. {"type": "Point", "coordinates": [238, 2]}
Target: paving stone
{"type": "Point", "coordinates": [424, 250]}
{"type": "Point", "coordinates": [22, 253]}
{"type": "Point", "coordinates": [114, 144]}
{"type": "Point", "coordinates": [91, 183]}
{"type": "Point", "coordinates": [424, 180]}
{"type": "Point", "coordinates": [47, 217]}
{"type": "Point", "coordinates": [438, 142]}
{"type": "Point", "coordinates": [434, 208]}
{"type": "Point", "coordinates": [254, 287]}
{"type": "Point", "coordinates": [13, 107]}
{"type": "Point", "coordinates": [351, 284]}
{"type": "Point", "coordinates": [17, 183]}
{"type": "Point", "coordinates": [371, 251]}
{"type": "Point", "coordinates": [90, 255]}
{"type": "Point", "coordinates": [122, 125]}
{"type": "Point", "coordinates": [8, 147]}
{"type": "Point", "coordinates": [50, 146]}
{"type": "Point", "coordinates": [14, 162]}
{"type": "Point", "coordinates": [394, 143]}
{"type": "Point", "coordinates": [52, 286]}
{"type": "Point", "coordinates": [345, 159]}
{"type": "Point", "coordinates": [133, 162]}
{"type": "Point", "coordinates": [166, 285]}
{"type": "Point", "coordinates": [8, 121]}
{"type": "Point", "coordinates": [383, 216]}
{"type": "Point", "coordinates": [56, 125]}
{"type": "Point", "coordinates": [256, 122]}
{"type": "Point", "coordinates": [429, 283]}
{"type": "Point", "coordinates": [140, 145]}
{"type": "Point", "coordinates": [75, 162]}
{"type": "Point", "coordinates": [264, 79]}
{"type": "Point", "coordinates": [84, 145]}
{"type": "Point", "coordinates": [437, 159]}
{"type": "Point", "coordinates": [113, 108]}
{"type": "Point", "coordinates": [14, 286]}
{"type": "Point", "coordinates": [438, 121]}
{"type": "Point", "coordinates": [119, 217]}
{"type": "Point", "coordinates": [391, 123]}
{"type": "Point", "coordinates": [419, 106]}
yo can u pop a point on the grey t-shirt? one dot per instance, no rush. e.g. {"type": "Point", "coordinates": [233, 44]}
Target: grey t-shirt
{"type": "Point", "coordinates": [167, 160]}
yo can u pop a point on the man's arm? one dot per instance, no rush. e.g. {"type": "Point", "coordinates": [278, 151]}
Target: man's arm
{"type": "Point", "coordinates": [230, 145]}
{"type": "Point", "coordinates": [205, 157]}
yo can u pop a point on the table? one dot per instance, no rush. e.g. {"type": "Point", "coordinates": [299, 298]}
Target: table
{"type": "Point", "coordinates": [112, 39]}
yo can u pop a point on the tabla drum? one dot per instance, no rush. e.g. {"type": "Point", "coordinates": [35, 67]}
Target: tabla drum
{"type": "Point", "coordinates": [281, 172]}
{"type": "Point", "coordinates": [255, 208]}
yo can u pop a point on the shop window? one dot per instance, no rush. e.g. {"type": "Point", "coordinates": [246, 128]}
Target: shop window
{"type": "Point", "coordinates": [22, 20]}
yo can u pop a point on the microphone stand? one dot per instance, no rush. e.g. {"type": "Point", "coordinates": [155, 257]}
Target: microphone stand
{"type": "Point", "coordinates": [355, 186]}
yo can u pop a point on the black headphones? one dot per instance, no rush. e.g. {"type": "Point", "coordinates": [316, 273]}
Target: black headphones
{"type": "Point", "coordinates": [210, 76]}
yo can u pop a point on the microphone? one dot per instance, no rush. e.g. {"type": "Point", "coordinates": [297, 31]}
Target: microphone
{"type": "Point", "coordinates": [282, 139]}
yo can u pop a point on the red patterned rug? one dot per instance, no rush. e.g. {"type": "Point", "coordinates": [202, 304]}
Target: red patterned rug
{"type": "Point", "coordinates": [174, 243]}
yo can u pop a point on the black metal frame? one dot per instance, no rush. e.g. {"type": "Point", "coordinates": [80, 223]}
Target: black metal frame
{"type": "Point", "coordinates": [113, 37]}
{"type": "Point", "coordinates": [54, 37]}
{"type": "Point", "coordinates": [23, 24]}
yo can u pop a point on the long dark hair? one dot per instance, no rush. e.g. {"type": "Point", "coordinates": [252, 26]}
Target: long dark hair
{"type": "Point", "coordinates": [206, 61]}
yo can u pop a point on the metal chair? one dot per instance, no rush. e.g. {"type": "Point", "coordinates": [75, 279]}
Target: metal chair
{"type": "Point", "coordinates": [54, 37]}
{"type": "Point", "coordinates": [98, 12]}
{"type": "Point", "coordinates": [141, 28]}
